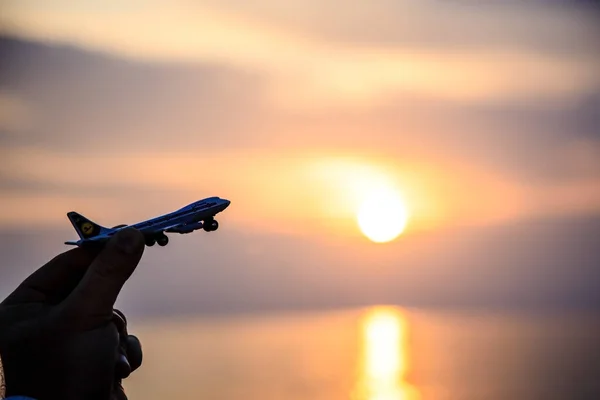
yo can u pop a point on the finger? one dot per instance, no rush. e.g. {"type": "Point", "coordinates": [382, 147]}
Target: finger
{"type": "Point", "coordinates": [122, 367]}
{"type": "Point", "coordinates": [129, 357]}
{"type": "Point", "coordinates": [55, 280]}
{"type": "Point", "coordinates": [96, 293]}
{"type": "Point", "coordinates": [134, 352]}
{"type": "Point", "coordinates": [130, 349]}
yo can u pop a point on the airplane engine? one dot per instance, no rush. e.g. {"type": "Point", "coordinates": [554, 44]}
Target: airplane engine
{"type": "Point", "coordinates": [210, 226]}
{"type": "Point", "coordinates": [186, 228]}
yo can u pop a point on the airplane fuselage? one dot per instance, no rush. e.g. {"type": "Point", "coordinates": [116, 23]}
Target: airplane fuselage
{"type": "Point", "coordinates": [197, 215]}
{"type": "Point", "coordinates": [193, 213]}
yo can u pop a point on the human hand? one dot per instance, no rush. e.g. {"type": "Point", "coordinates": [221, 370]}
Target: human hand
{"type": "Point", "coordinates": [59, 336]}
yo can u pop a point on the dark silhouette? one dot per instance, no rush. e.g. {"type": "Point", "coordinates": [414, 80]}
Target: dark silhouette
{"type": "Point", "coordinates": [60, 337]}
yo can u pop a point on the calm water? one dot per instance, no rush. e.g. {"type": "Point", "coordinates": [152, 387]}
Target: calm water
{"type": "Point", "coordinates": [371, 354]}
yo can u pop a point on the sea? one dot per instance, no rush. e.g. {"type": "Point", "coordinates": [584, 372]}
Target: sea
{"type": "Point", "coordinates": [375, 353]}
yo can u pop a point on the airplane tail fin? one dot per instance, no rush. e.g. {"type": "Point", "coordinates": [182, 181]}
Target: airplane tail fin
{"type": "Point", "coordinates": [85, 228]}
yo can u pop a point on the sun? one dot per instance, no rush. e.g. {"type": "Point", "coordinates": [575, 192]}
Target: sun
{"type": "Point", "coordinates": [382, 216]}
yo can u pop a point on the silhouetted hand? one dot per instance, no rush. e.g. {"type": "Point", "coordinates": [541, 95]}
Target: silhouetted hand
{"type": "Point", "coordinates": [59, 335]}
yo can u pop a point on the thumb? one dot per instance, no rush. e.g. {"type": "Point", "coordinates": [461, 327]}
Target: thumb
{"type": "Point", "coordinates": [98, 290]}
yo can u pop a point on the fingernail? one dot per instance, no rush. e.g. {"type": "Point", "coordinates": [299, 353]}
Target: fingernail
{"type": "Point", "coordinates": [120, 323]}
{"type": "Point", "coordinates": [128, 240]}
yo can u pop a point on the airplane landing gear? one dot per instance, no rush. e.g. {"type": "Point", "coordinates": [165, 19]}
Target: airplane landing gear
{"type": "Point", "coordinates": [162, 240]}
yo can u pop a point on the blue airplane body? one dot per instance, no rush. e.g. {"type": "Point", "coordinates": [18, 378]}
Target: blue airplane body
{"type": "Point", "coordinates": [198, 215]}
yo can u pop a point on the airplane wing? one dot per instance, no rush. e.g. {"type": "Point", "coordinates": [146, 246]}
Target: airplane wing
{"type": "Point", "coordinates": [92, 240]}
{"type": "Point", "coordinates": [158, 228]}
{"type": "Point", "coordinates": [177, 227]}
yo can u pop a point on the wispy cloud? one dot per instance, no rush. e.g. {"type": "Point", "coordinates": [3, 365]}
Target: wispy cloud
{"type": "Point", "coordinates": [101, 123]}
{"type": "Point", "coordinates": [307, 66]}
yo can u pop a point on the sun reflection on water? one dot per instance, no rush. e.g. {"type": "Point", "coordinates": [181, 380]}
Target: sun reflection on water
{"type": "Point", "coordinates": [384, 358]}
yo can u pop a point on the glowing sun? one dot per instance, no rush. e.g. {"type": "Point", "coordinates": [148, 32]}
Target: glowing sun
{"type": "Point", "coordinates": [382, 216]}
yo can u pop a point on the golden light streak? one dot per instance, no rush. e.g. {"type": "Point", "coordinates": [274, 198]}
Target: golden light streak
{"type": "Point", "coordinates": [385, 357]}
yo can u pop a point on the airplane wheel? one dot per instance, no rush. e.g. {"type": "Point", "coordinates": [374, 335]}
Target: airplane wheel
{"type": "Point", "coordinates": [162, 240]}
{"type": "Point", "coordinates": [150, 242]}
{"type": "Point", "coordinates": [214, 226]}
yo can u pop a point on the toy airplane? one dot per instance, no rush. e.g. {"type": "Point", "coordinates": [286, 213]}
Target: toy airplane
{"type": "Point", "coordinates": [198, 215]}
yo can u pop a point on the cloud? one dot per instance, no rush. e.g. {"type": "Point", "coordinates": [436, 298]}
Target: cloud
{"type": "Point", "coordinates": [82, 100]}
{"type": "Point", "coordinates": [434, 25]}
{"type": "Point", "coordinates": [103, 126]}
{"type": "Point", "coordinates": [322, 70]}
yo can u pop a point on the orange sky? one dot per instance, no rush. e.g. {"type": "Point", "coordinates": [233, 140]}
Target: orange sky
{"type": "Point", "coordinates": [315, 102]}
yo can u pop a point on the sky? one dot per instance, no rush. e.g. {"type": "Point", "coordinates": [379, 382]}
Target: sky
{"type": "Point", "coordinates": [483, 115]}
